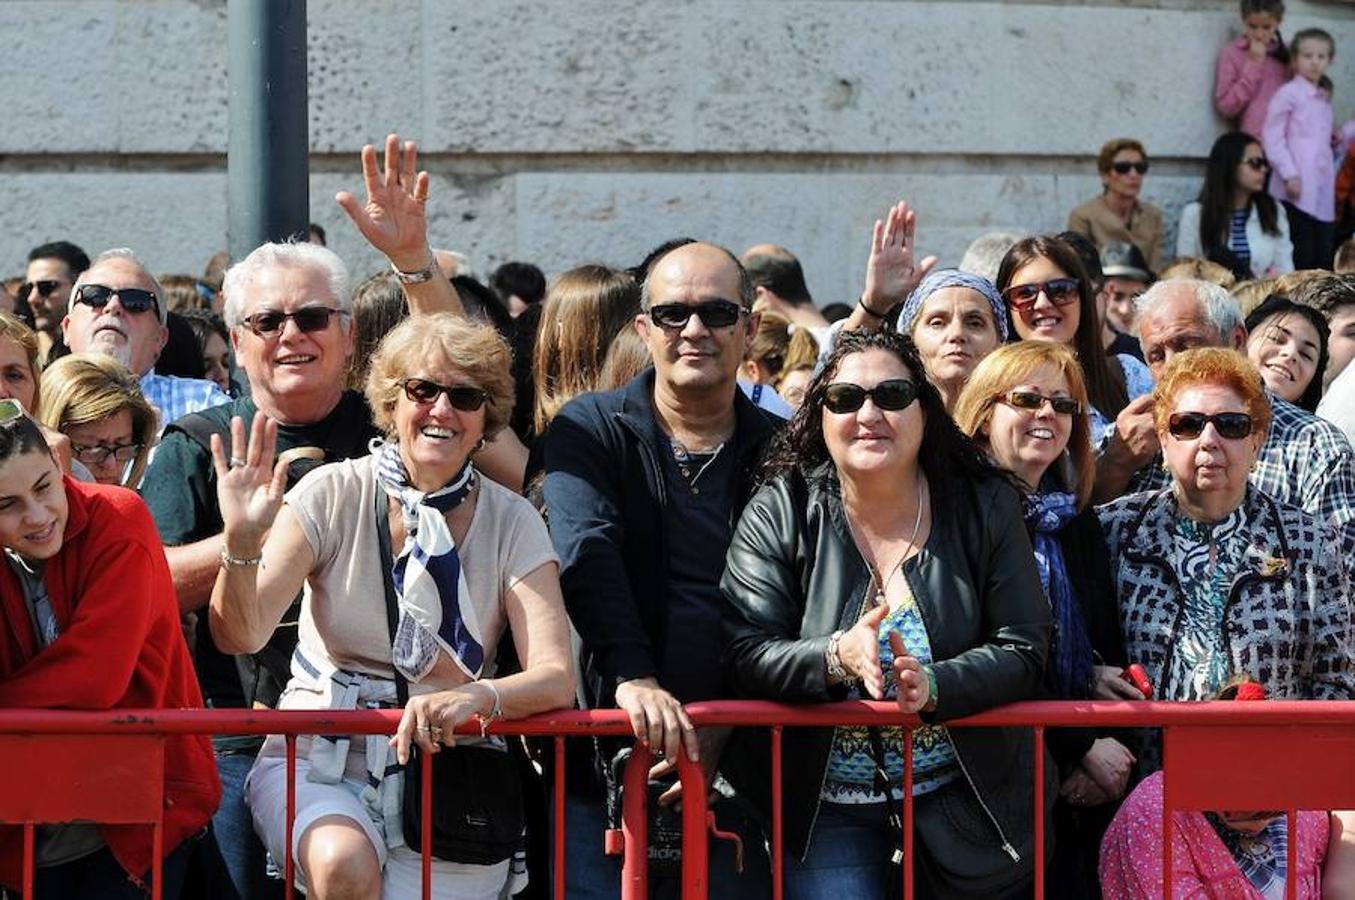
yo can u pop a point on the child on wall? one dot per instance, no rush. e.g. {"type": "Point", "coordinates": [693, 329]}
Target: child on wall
{"type": "Point", "coordinates": [1253, 67]}
{"type": "Point", "coordinates": [1298, 142]}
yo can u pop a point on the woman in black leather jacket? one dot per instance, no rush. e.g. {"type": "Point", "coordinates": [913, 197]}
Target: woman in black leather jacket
{"type": "Point", "coordinates": [886, 557]}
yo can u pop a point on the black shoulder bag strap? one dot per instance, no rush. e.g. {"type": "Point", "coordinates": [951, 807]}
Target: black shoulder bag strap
{"type": "Point", "coordinates": [877, 750]}
{"type": "Point", "coordinates": [383, 538]}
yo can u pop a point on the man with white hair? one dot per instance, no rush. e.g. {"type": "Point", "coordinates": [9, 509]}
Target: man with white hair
{"type": "Point", "coordinates": [1305, 461]}
{"type": "Point", "coordinates": [117, 308]}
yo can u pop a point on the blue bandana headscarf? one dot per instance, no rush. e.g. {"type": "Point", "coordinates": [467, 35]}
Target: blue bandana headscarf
{"type": "Point", "coordinates": [1045, 515]}
{"type": "Point", "coordinates": [939, 279]}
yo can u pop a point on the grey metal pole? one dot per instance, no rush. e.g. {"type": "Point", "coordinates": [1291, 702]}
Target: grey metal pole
{"type": "Point", "coordinates": [267, 166]}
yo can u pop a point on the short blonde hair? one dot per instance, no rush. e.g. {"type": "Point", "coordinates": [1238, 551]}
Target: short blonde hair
{"type": "Point", "coordinates": [1010, 365]}
{"type": "Point", "coordinates": [1250, 294]}
{"type": "Point", "coordinates": [1200, 269]}
{"type": "Point", "coordinates": [445, 339]}
{"type": "Point", "coordinates": [1212, 366]}
{"type": "Point", "coordinates": [90, 387]}
{"type": "Point", "coordinates": [1106, 157]}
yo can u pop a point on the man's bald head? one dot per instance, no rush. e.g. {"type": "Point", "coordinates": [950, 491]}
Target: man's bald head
{"type": "Point", "coordinates": [698, 257]}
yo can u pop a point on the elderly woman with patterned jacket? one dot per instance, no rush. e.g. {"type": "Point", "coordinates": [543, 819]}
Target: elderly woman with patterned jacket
{"type": "Point", "coordinates": [880, 561]}
{"type": "Point", "coordinates": [1214, 577]}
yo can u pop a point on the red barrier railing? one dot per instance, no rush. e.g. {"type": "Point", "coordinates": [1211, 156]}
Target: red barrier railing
{"type": "Point", "coordinates": [114, 772]}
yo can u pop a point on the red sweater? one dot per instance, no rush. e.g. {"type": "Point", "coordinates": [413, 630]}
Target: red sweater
{"type": "Point", "coordinates": [119, 647]}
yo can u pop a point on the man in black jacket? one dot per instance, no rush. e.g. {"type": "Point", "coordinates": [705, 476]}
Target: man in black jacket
{"type": "Point", "coordinates": [644, 485]}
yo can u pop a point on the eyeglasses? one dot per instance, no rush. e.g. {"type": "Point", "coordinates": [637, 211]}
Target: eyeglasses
{"type": "Point", "coordinates": [462, 397]}
{"type": "Point", "coordinates": [308, 319]}
{"type": "Point", "coordinates": [44, 286]}
{"type": "Point", "coordinates": [1259, 163]}
{"type": "Point", "coordinates": [98, 454]}
{"type": "Point", "coordinates": [712, 313]}
{"type": "Point", "coordinates": [1189, 425]}
{"type": "Point", "coordinates": [1064, 406]}
{"type": "Point", "coordinates": [844, 397]}
{"type": "Point", "coordinates": [133, 300]}
{"type": "Point", "coordinates": [1060, 291]}
{"type": "Point", "coordinates": [1124, 168]}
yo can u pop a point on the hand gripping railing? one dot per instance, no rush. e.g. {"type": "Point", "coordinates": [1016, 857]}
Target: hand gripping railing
{"type": "Point", "coordinates": [109, 766]}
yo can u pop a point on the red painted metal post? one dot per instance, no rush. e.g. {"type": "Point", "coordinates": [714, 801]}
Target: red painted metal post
{"type": "Point", "coordinates": [778, 837]}
{"type": "Point", "coordinates": [695, 843]}
{"type": "Point", "coordinates": [289, 867]}
{"type": "Point", "coordinates": [1039, 812]}
{"type": "Point", "coordinates": [1291, 877]}
{"type": "Point", "coordinates": [559, 818]}
{"type": "Point", "coordinates": [635, 826]}
{"type": "Point", "coordinates": [30, 853]}
{"type": "Point", "coordinates": [426, 818]}
{"type": "Point", "coordinates": [906, 848]}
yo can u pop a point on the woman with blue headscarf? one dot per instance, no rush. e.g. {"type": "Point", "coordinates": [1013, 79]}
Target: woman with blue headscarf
{"type": "Point", "coordinates": [954, 318]}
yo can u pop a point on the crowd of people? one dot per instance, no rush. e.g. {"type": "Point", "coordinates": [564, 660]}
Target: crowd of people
{"type": "Point", "coordinates": [1074, 467]}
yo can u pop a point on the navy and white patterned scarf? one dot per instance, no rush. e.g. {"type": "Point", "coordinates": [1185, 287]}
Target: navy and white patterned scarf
{"type": "Point", "coordinates": [430, 587]}
{"type": "Point", "coordinates": [1045, 515]}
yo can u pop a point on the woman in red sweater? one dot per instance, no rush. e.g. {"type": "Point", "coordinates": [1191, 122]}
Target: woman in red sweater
{"type": "Point", "coordinates": [89, 620]}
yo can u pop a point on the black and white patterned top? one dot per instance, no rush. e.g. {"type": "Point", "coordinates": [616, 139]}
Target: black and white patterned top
{"type": "Point", "coordinates": [1285, 617]}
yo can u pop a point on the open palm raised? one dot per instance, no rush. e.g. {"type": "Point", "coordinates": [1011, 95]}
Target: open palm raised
{"type": "Point", "coordinates": [249, 484]}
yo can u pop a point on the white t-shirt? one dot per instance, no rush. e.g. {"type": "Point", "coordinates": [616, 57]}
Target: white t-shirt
{"type": "Point", "coordinates": [1338, 403]}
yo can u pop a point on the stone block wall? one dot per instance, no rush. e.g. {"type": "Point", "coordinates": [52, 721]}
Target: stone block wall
{"type": "Point", "coordinates": [560, 131]}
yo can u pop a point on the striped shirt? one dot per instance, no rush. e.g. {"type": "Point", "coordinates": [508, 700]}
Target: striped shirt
{"type": "Point", "coordinates": [1237, 236]}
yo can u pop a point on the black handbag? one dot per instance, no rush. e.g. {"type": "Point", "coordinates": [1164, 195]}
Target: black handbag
{"type": "Point", "coordinates": [478, 814]}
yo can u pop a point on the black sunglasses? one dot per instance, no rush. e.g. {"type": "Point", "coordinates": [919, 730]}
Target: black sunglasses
{"type": "Point", "coordinates": [1189, 425]}
{"type": "Point", "coordinates": [1064, 406]}
{"type": "Point", "coordinates": [712, 313]}
{"type": "Point", "coordinates": [97, 454]}
{"type": "Point", "coordinates": [1259, 163]}
{"type": "Point", "coordinates": [1124, 168]}
{"type": "Point", "coordinates": [1060, 291]}
{"type": "Point", "coordinates": [44, 286]}
{"type": "Point", "coordinates": [308, 319]}
{"type": "Point", "coordinates": [462, 397]}
{"type": "Point", "coordinates": [134, 300]}
{"type": "Point", "coordinates": [844, 397]}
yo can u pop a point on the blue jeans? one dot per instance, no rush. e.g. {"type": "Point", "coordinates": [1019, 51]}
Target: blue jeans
{"type": "Point", "coordinates": [848, 856]}
{"type": "Point", "coordinates": [233, 864]}
{"type": "Point", "coordinates": [592, 875]}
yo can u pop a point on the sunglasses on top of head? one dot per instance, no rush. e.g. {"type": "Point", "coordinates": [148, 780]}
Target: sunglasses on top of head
{"type": "Point", "coordinates": [1124, 168]}
{"type": "Point", "coordinates": [1060, 291]}
{"type": "Point", "coordinates": [133, 300]}
{"type": "Point", "coordinates": [1190, 425]}
{"type": "Point", "coordinates": [308, 319]}
{"type": "Point", "coordinates": [44, 286]}
{"type": "Point", "coordinates": [712, 313]}
{"type": "Point", "coordinates": [460, 396]}
{"type": "Point", "coordinates": [1064, 406]}
{"type": "Point", "coordinates": [844, 397]}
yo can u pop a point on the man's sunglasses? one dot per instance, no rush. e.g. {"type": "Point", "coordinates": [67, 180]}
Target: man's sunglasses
{"type": "Point", "coordinates": [462, 397]}
{"type": "Point", "coordinates": [1189, 425]}
{"type": "Point", "coordinates": [1259, 163]}
{"type": "Point", "coordinates": [712, 313]}
{"type": "Point", "coordinates": [1060, 291]}
{"type": "Point", "coordinates": [844, 397]}
{"type": "Point", "coordinates": [308, 319]}
{"type": "Point", "coordinates": [44, 286]}
{"type": "Point", "coordinates": [133, 300]}
{"type": "Point", "coordinates": [1124, 168]}
{"type": "Point", "coordinates": [1064, 406]}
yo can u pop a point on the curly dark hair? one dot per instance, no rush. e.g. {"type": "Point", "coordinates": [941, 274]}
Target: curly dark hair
{"type": "Point", "coordinates": [949, 458]}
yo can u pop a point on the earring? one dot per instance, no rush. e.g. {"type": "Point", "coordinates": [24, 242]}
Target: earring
{"type": "Point", "coordinates": [479, 445]}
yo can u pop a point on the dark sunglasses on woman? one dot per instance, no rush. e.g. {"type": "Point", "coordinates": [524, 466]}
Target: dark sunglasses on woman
{"type": "Point", "coordinates": [1124, 168]}
{"type": "Point", "coordinates": [844, 397]}
{"type": "Point", "coordinates": [462, 397]}
{"type": "Point", "coordinates": [1189, 425]}
{"type": "Point", "coordinates": [308, 319]}
{"type": "Point", "coordinates": [1064, 406]}
{"type": "Point", "coordinates": [134, 300]}
{"type": "Point", "coordinates": [712, 313]}
{"type": "Point", "coordinates": [1060, 291]}
{"type": "Point", "coordinates": [1259, 163]}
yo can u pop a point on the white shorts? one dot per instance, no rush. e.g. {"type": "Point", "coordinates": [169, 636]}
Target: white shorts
{"type": "Point", "coordinates": [402, 872]}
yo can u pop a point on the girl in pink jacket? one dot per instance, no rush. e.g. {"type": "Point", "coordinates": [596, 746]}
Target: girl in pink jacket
{"type": "Point", "coordinates": [1253, 67]}
{"type": "Point", "coordinates": [1298, 141]}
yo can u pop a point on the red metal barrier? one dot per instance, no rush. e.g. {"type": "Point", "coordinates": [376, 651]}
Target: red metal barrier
{"type": "Point", "coordinates": [1308, 748]}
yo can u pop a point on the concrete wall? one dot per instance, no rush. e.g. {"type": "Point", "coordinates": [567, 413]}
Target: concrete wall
{"type": "Point", "coordinates": [575, 130]}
